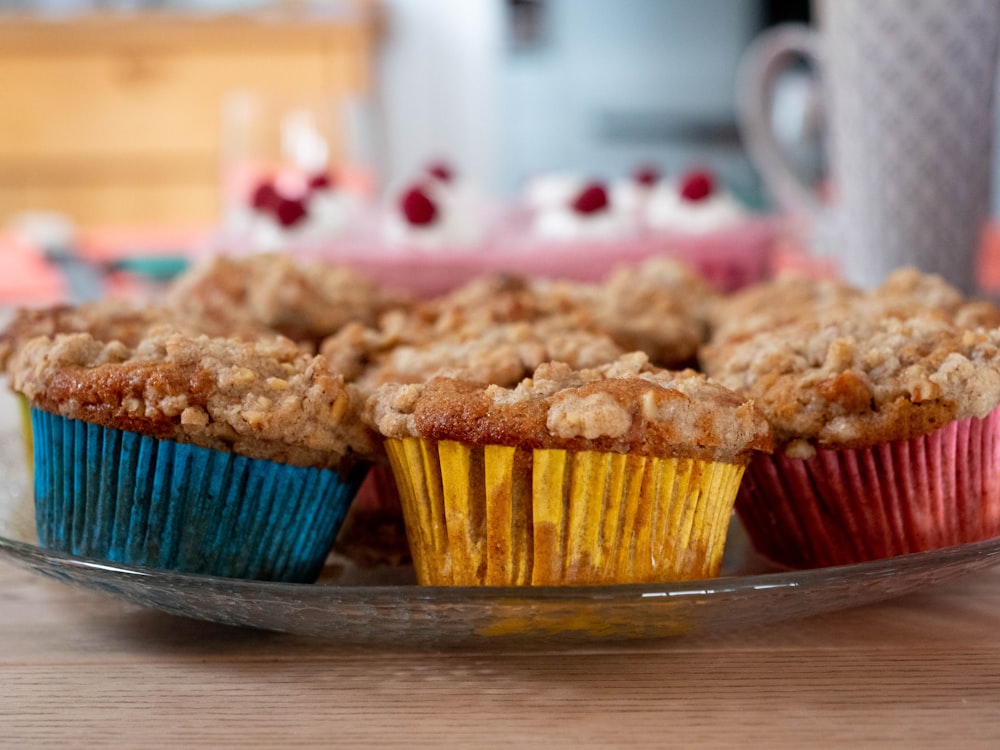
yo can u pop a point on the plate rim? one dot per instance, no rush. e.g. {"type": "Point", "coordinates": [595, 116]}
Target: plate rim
{"type": "Point", "coordinates": [405, 616]}
{"type": "Point", "coordinates": [24, 553]}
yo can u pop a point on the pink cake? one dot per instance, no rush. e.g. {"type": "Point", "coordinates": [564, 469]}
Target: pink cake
{"type": "Point", "coordinates": [584, 237]}
{"type": "Point", "coordinates": [434, 233]}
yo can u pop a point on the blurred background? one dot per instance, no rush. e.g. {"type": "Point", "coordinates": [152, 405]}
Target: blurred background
{"type": "Point", "coordinates": [128, 113]}
{"type": "Point", "coordinates": [126, 126]}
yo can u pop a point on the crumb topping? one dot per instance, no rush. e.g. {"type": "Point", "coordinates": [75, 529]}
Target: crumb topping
{"type": "Point", "coordinates": [499, 328]}
{"type": "Point", "coordinates": [862, 380]}
{"type": "Point", "coordinates": [789, 300]}
{"type": "Point", "coordinates": [502, 355]}
{"type": "Point", "coordinates": [660, 307]}
{"type": "Point", "coordinates": [495, 299]}
{"type": "Point", "coordinates": [266, 399]}
{"type": "Point", "coordinates": [270, 292]}
{"type": "Point", "coordinates": [106, 320]}
{"type": "Point", "coordinates": [626, 406]}
{"type": "Point", "coordinates": [771, 304]}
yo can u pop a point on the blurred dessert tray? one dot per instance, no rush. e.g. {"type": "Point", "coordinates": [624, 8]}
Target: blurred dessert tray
{"type": "Point", "coordinates": [730, 258]}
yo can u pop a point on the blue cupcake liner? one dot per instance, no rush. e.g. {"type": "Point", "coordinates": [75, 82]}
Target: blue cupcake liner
{"type": "Point", "coordinates": [133, 499]}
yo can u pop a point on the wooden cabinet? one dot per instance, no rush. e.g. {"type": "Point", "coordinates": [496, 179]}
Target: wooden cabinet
{"type": "Point", "coordinates": [117, 120]}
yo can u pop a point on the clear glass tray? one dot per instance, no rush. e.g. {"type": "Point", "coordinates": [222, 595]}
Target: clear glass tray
{"type": "Point", "coordinates": [394, 614]}
{"type": "Point", "coordinates": [383, 607]}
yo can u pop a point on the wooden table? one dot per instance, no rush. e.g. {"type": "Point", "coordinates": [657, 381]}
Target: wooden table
{"type": "Point", "coordinates": [78, 669]}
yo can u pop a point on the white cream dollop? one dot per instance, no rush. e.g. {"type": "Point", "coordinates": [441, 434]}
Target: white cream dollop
{"type": "Point", "coordinates": [458, 225]}
{"type": "Point", "coordinates": [667, 209]}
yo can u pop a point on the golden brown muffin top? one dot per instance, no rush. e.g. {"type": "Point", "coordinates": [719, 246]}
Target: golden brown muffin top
{"type": "Point", "coordinates": [502, 355]}
{"type": "Point", "coordinates": [770, 304]}
{"type": "Point", "coordinates": [265, 399]}
{"type": "Point", "coordinates": [627, 406]}
{"type": "Point", "coordinates": [500, 298]}
{"type": "Point", "coordinates": [861, 381]}
{"type": "Point", "coordinates": [660, 307]}
{"type": "Point", "coordinates": [239, 296]}
{"type": "Point", "coordinates": [789, 300]}
{"type": "Point", "coordinates": [105, 320]}
{"type": "Point", "coordinates": [498, 328]}
{"type": "Point", "coordinates": [495, 329]}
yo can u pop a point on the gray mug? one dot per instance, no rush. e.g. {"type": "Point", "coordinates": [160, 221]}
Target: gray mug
{"type": "Point", "coordinates": [907, 92]}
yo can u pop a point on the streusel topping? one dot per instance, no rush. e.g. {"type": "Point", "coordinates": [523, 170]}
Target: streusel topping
{"type": "Point", "coordinates": [770, 304]}
{"type": "Point", "coordinates": [788, 301]}
{"type": "Point", "coordinates": [499, 328]}
{"type": "Point", "coordinates": [266, 399]}
{"type": "Point", "coordinates": [497, 299]}
{"type": "Point", "coordinates": [660, 307]}
{"type": "Point", "coordinates": [859, 381]}
{"type": "Point", "coordinates": [227, 296]}
{"type": "Point", "coordinates": [106, 320]}
{"type": "Point", "coordinates": [627, 406]}
{"type": "Point", "coordinates": [501, 355]}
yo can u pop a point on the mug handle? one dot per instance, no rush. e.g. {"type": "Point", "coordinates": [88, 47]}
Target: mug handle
{"type": "Point", "coordinates": [769, 55]}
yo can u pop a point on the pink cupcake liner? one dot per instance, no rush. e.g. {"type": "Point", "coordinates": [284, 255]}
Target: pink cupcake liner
{"type": "Point", "coordinates": [847, 506]}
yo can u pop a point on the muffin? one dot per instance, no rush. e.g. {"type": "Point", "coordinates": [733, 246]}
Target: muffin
{"type": "Point", "coordinates": [195, 454]}
{"type": "Point", "coordinates": [270, 293]}
{"type": "Point", "coordinates": [885, 424]}
{"type": "Point", "coordinates": [615, 474]}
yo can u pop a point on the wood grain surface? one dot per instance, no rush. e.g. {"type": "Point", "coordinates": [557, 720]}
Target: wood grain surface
{"type": "Point", "coordinates": [78, 669]}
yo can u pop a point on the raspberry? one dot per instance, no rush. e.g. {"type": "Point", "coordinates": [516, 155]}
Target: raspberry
{"type": "Point", "coordinates": [591, 199]}
{"type": "Point", "coordinates": [290, 211]}
{"type": "Point", "coordinates": [320, 181]}
{"type": "Point", "coordinates": [417, 207]}
{"type": "Point", "coordinates": [646, 176]}
{"type": "Point", "coordinates": [441, 171]}
{"type": "Point", "coordinates": [697, 185]}
{"type": "Point", "coordinates": [264, 197]}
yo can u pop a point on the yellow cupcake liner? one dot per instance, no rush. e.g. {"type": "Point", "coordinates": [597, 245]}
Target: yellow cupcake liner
{"type": "Point", "coordinates": [24, 408]}
{"type": "Point", "coordinates": [495, 515]}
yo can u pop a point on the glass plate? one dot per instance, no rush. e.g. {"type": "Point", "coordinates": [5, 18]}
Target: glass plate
{"type": "Point", "coordinates": [383, 607]}
{"type": "Point", "coordinates": [395, 615]}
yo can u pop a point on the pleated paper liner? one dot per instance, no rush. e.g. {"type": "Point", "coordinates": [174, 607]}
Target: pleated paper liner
{"type": "Point", "coordinates": [848, 506]}
{"type": "Point", "coordinates": [133, 499]}
{"type": "Point", "coordinates": [498, 515]}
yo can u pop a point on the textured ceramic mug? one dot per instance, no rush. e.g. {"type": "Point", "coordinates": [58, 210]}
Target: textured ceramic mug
{"type": "Point", "coordinates": [907, 97]}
